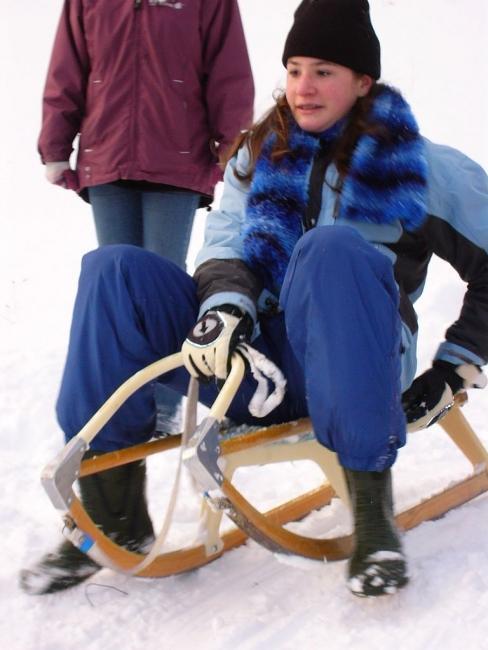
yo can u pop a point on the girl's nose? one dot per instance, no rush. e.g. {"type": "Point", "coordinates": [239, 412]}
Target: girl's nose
{"type": "Point", "coordinates": [305, 85]}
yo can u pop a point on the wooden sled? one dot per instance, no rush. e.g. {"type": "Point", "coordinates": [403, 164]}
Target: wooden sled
{"type": "Point", "coordinates": [214, 468]}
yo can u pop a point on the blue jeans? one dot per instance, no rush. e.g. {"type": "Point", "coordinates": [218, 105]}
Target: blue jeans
{"type": "Point", "coordinates": [337, 342]}
{"type": "Point", "coordinates": [160, 222]}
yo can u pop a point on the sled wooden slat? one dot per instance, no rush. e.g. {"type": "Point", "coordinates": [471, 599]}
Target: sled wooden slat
{"type": "Point", "coordinates": [128, 455]}
{"type": "Point", "coordinates": [279, 539]}
{"type": "Point", "coordinates": [194, 557]}
{"type": "Point", "coordinates": [462, 434]}
{"type": "Point", "coordinates": [266, 435]}
{"type": "Point", "coordinates": [238, 443]}
{"type": "Point", "coordinates": [274, 537]}
{"type": "Point", "coordinates": [439, 504]}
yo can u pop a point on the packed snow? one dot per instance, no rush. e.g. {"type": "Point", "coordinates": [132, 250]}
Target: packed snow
{"type": "Point", "coordinates": [435, 51]}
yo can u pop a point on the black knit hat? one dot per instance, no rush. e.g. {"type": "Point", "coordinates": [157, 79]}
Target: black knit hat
{"type": "Point", "coordinates": [339, 31]}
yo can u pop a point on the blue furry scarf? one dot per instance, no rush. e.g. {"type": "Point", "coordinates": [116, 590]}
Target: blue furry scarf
{"type": "Point", "coordinates": [386, 182]}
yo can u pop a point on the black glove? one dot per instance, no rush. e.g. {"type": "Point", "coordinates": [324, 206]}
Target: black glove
{"type": "Point", "coordinates": [431, 394]}
{"type": "Point", "coordinates": [208, 348]}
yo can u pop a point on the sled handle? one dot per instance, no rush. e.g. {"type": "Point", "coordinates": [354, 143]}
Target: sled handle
{"type": "Point", "coordinates": [147, 374]}
{"type": "Point", "coordinates": [229, 389]}
{"type": "Point", "coordinates": [58, 476]}
{"type": "Point", "coordinates": [125, 390]}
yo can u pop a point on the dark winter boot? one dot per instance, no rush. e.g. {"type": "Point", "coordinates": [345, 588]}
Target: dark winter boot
{"type": "Point", "coordinates": [115, 500]}
{"type": "Point", "coordinates": [377, 566]}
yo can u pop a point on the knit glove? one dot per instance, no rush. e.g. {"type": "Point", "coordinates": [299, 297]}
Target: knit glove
{"type": "Point", "coordinates": [55, 170]}
{"type": "Point", "coordinates": [208, 348]}
{"type": "Point", "coordinates": [431, 394]}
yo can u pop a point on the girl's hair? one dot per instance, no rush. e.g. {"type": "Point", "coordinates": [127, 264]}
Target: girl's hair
{"type": "Point", "coordinates": [276, 121]}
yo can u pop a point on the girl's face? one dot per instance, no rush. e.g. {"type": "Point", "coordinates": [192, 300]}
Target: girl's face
{"type": "Point", "coordinates": [320, 93]}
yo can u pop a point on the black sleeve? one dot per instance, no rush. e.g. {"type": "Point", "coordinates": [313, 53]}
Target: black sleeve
{"type": "Point", "coordinates": [215, 276]}
{"type": "Point", "coordinates": [471, 262]}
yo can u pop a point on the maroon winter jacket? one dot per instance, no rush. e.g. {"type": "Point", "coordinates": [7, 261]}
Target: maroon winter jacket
{"type": "Point", "coordinates": [150, 87]}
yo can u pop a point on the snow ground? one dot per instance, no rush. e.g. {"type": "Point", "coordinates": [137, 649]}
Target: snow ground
{"type": "Point", "coordinates": [434, 50]}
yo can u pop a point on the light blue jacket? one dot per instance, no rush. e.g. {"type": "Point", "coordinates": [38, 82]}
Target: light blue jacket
{"type": "Point", "coordinates": [456, 229]}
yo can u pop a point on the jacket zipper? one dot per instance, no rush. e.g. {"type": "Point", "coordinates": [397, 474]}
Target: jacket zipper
{"type": "Point", "coordinates": [315, 188]}
{"type": "Point", "coordinates": [135, 89]}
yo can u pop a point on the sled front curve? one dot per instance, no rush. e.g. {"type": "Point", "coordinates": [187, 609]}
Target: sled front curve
{"type": "Point", "coordinates": [82, 531]}
{"type": "Point", "coordinates": [279, 443]}
{"type": "Point", "coordinates": [115, 557]}
{"type": "Point", "coordinates": [59, 475]}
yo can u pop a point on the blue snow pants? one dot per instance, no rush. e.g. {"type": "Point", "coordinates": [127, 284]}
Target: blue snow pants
{"type": "Point", "coordinates": [159, 221]}
{"type": "Point", "coordinates": [337, 341]}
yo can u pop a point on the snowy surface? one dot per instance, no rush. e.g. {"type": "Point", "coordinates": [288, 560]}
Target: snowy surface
{"type": "Point", "coordinates": [435, 51]}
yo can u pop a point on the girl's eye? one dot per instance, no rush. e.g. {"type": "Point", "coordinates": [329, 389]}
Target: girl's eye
{"type": "Point", "coordinates": [323, 73]}
{"type": "Point", "coordinates": [293, 73]}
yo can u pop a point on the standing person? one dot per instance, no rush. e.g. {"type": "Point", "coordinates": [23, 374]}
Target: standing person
{"type": "Point", "coordinates": [157, 89]}
{"type": "Point", "coordinates": [333, 205]}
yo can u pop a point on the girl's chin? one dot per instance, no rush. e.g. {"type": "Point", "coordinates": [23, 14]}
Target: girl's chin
{"type": "Point", "coordinates": [312, 124]}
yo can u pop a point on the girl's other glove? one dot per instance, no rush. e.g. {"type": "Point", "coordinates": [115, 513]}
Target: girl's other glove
{"type": "Point", "coordinates": [431, 394]}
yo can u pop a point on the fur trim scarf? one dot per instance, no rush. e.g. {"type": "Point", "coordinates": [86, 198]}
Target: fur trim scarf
{"type": "Point", "coordinates": [386, 182]}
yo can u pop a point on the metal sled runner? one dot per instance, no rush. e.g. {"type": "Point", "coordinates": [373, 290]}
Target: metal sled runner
{"type": "Point", "coordinates": [212, 460]}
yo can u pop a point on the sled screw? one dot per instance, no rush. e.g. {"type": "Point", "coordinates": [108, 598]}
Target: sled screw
{"type": "Point", "coordinates": [69, 522]}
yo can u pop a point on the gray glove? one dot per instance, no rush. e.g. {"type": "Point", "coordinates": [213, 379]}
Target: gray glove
{"type": "Point", "coordinates": [55, 170]}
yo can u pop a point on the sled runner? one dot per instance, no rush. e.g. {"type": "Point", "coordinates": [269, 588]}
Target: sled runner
{"type": "Point", "coordinates": [212, 457]}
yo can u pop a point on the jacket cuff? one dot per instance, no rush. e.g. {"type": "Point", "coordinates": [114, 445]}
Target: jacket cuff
{"type": "Point", "coordinates": [457, 355]}
{"type": "Point", "coordinates": [229, 297]}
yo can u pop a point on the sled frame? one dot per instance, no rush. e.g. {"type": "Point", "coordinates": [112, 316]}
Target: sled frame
{"type": "Point", "coordinates": [275, 444]}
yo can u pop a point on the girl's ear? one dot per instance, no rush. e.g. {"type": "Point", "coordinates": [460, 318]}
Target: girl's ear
{"type": "Point", "coordinates": [365, 83]}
